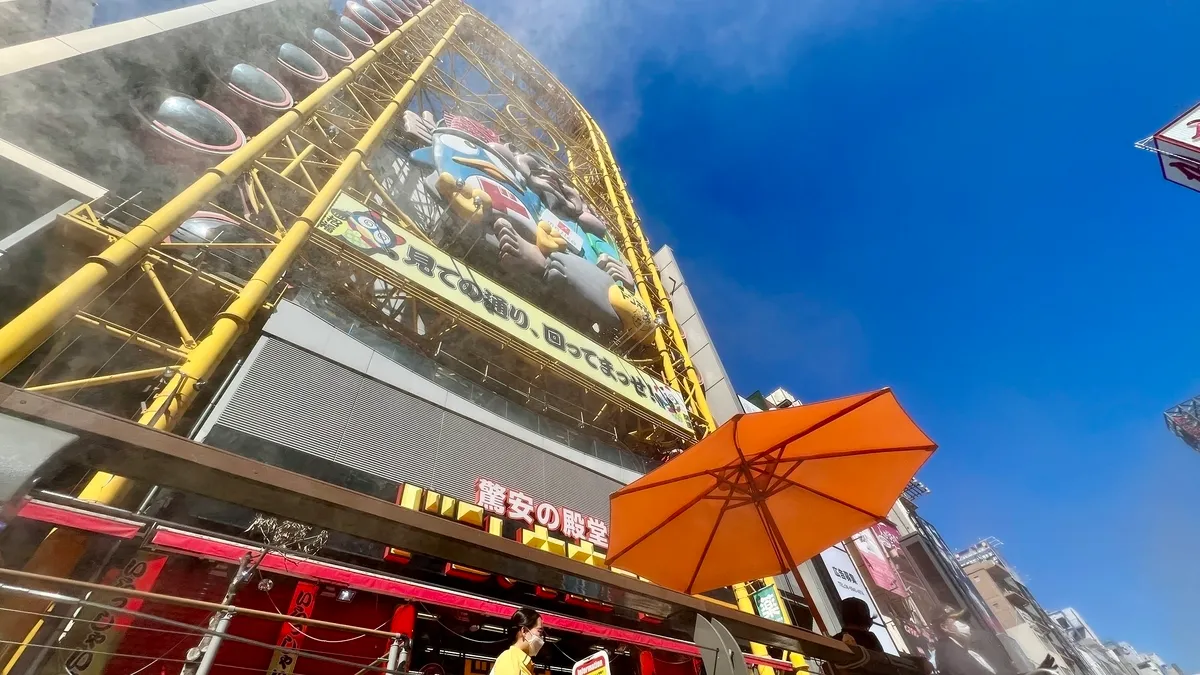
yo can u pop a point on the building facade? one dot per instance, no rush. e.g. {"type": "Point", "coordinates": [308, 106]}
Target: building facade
{"type": "Point", "coordinates": [1020, 616]}
{"type": "Point", "coordinates": [351, 320]}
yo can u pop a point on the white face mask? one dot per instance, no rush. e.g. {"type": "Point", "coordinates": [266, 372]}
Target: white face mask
{"type": "Point", "coordinates": [960, 628]}
{"type": "Point", "coordinates": [535, 642]}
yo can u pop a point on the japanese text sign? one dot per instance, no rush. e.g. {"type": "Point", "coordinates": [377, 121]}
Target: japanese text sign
{"type": "Point", "coordinates": [596, 664]}
{"type": "Point", "coordinates": [767, 604]}
{"type": "Point", "coordinates": [437, 272]}
{"type": "Point", "coordinates": [515, 505]}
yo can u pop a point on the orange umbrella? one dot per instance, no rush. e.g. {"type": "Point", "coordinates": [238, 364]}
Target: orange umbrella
{"type": "Point", "coordinates": [766, 491]}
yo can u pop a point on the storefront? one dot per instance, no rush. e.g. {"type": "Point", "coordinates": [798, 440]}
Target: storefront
{"type": "Point", "coordinates": [433, 564]}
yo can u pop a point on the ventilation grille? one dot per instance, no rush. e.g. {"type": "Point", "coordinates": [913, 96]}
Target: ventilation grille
{"type": "Point", "coordinates": [300, 400]}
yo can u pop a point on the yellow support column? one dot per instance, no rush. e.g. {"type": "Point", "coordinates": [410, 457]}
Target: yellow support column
{"type": "Point", "coordinates": [689, 369]}
{"type": "Point", "coordinates": [642, 284]}
{"type": "Point", "coordinates": [746, 605]}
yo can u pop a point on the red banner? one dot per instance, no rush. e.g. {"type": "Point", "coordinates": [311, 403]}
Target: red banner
{"type": "Point", "coordinates": [283, 661]}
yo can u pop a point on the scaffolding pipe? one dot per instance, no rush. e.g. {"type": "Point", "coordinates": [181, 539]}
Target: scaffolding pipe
{"type": "Point", "coordinates": [642, 284]}
{"type": "Point", "coordinates": [25, 333]}
{"type": "Point", "coordinates": [100, 379]}
{"type": "Point", "coordinates": [651, 271]}
{"type": "Point", "coordinates": [178, 393]}
{"type": "Point", "coordinates": [165, 297]}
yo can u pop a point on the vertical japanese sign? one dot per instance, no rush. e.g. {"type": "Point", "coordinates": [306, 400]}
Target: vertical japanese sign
{"type": "Point", "coordinates": [291, 635]}
{"type": "Point", "coordinates": [596, 664]}
{"type": "Point", "coordinates": [437, 272]}
{"type": "Point", "coordinates": [768, 604]}
{"type": "Point", "coordinates": [99, 631]}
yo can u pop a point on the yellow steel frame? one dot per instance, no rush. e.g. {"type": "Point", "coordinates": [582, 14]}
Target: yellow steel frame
{"type": "Point", "coordinates": [289, 174]}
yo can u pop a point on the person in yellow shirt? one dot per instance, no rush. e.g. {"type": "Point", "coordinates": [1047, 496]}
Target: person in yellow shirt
{"type": "Point", "coordinates": [528, 639]}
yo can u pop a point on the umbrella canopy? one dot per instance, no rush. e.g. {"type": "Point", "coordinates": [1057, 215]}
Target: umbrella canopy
{"type": "Point", "coordinates": [767, 491]}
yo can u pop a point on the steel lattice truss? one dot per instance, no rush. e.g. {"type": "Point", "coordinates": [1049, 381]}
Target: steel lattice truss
{"type": "Point", "coordinates": [156, 331]}
{"type": "Point", "coordinates": [1184, 421]}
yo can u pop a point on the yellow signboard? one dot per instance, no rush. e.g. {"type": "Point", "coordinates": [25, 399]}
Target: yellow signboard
{"type": "Point", "coordinates": [437, 272]}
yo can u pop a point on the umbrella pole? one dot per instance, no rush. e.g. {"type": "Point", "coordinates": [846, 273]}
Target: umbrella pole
{"type": "Point", "coordinates": [785, 555]}
{"type": "Point", "coordinates": [812, 608]}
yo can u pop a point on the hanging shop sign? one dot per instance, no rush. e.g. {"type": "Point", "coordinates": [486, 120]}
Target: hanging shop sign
{"type": "Point", "coordinates": [515, 505]}
{"type": "Point", "coordinates": [1178, 146]}
{"type": "Point", "coordinates": [98, 632]}
{"type": "Point", "coordinates": [439, 273]}
{"type": "Point", "coordinates": [769, 605]}
{"type": "Point", "coordinates": [596, 664]}
{"type": "Point", "coordinates": [291, 636]}
{"type": "Point", "coordinates": [881, 569]}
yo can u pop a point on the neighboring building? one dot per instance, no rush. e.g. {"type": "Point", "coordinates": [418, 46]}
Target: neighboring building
{"type": "Point", "coordinates": [1019, 614]}
{"type": "Point", "coordinates": [933, 568]}
{"type": "Point", "coordinates": [1098, 658]}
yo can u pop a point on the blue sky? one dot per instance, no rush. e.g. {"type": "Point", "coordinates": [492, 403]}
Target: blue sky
{"type": "Point", "coordinates": [941, 196]}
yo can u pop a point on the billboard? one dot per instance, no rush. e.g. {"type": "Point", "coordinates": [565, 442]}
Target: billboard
{"type": "Point", "coordinates": [848, 582]}
{"type": "Point", "coordinates": [877, 562]}
{"type": "Point", "coordinates": [435, 271]}
{"type": "Point", "coordinates": [1178, 146]}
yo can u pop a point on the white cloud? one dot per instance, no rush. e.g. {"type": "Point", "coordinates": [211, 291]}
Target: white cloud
{"type": "Point", "coordinates": [596, 47]}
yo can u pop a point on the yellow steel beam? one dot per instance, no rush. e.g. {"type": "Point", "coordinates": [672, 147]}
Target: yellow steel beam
{"type": "Point", "coordinates": [165, 297]}
{"type": "Point", "coordinates": [131, 336]}
{"type": "Point", "coordinates": [100, 379]}
{"type": "Point", "coordinates": [643, 283]}
{"type": "Point", "coordinates": [175, 397]}
{"type": "Point", "coordinates": [21, 336]}
{"type": "Point", "coordinates": [651, 271]}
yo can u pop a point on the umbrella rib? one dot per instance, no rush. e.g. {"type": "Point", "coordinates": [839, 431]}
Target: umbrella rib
{"type": "Point", "coordinates": [836, 416]}
{"type": "Point", "coordinates": [830, 498]}
{"type": "Point", "coordinates": [712, 535]}
{"type": "Point", "coordinates": [628, 490]}
{"type": "Point", "coordinates": [613, 557]}
{"type": "Point", "coordinates": [837, 455]}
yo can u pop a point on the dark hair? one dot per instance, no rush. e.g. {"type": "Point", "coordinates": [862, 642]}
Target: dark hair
{"type": "Point", "coordinates": [855, 612]}
{"type": "Point", "coordinates": [526, 617]}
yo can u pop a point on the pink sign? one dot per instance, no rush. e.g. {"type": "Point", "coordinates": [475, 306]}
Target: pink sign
{"type": "Point", "coordinates": [879, 567]}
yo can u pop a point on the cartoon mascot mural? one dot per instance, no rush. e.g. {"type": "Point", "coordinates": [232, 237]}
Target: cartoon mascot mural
{"type": "Point", "coordinates": [514, 208]}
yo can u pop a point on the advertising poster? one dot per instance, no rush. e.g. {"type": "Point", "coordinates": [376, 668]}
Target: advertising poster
{"type": "Point", "coordinates": [437, 272]}
{"type": "Point", "coordinates": [596, 664]}
{"type": "Point", "coordinates": [97, 635]}
{"type": "Point", "coordinates": [849, 584]}
{"type": "Point", "coordinates": [879, 566]}
{"type": "Point", "coordinates": [291, 636]}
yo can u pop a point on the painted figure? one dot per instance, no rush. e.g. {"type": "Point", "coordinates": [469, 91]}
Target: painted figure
{"type": "Point", "coordinates": [515, 206]}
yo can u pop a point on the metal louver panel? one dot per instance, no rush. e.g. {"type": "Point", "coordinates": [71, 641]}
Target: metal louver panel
{"type": "Point", "coordinates": [297, 399]}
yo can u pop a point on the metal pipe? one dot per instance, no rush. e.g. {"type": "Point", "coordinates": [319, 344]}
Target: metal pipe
{"type": "Point", "coordinates": [21, 336]}
{"type": "Point", "coordinates": [60, 598]}
{"type": "Point", "coordinates": [165, 297]}
{"type": "Point", "coordinates": [689, 369]}
{"type": "Point", "coordinates": [214, 643]}
{"type": "Point", "coordinates": [42, 579]}
{"type": "Point", "coordinates": [99, 380]}
{"type": "Point", "coordinates": [175, 397]}
{"type": "Point", "coordinates": [393, 655]}
{"type": "Point", "coordinates": [626, 241]}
